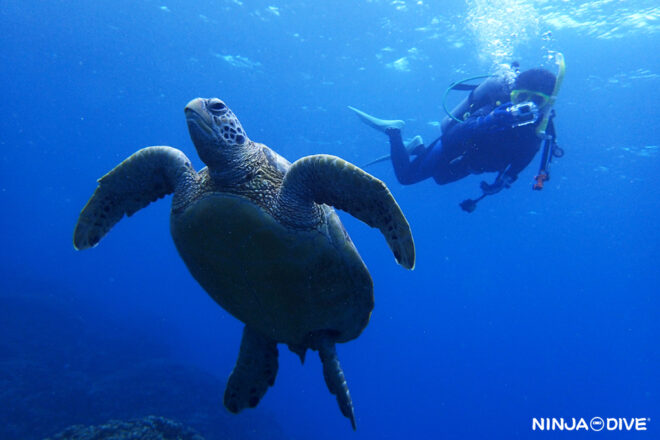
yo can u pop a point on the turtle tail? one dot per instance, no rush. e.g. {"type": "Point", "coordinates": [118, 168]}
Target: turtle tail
{"type": "Point", "coordinates": [334, 377]}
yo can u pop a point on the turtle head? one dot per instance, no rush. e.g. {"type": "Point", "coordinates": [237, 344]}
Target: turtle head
{"type": "Point", "coordinates": [215, 131]}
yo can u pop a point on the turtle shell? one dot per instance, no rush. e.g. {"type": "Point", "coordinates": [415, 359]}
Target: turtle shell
{"type": "Point", "coordinates": [281, 281]}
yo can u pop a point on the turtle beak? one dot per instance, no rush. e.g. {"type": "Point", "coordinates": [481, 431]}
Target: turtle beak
{"type": "Point", "coordinates": [196, 105]}
{"type": "Point", "coordinates": [197, 115]}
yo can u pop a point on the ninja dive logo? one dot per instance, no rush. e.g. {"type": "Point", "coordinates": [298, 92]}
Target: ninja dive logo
{"type": "Point", "coordinates": [595, 424]}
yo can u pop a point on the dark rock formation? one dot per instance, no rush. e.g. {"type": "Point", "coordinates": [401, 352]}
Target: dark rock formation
{"type": "Point", "coordinates": [61, 365]}
{"type": "Point", "coordinates": [148, 428]}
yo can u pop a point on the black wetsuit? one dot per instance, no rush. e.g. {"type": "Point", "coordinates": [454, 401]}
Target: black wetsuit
{"type": "Point", "coordinates": [479, 144]}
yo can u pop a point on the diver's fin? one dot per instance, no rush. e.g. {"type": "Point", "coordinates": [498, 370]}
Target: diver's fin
{"type": "Point", "coordinates": [377, 160]}
{"type": "Point", "coordinates": [378, 124]}
{"type": "Point", "coordinates": [414, 146]}
{"type": "Point", "coordinates": [254, 372]}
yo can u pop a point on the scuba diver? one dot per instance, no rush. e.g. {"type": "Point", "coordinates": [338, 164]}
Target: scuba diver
{"type": "Point", "coordinates": [499, 128]}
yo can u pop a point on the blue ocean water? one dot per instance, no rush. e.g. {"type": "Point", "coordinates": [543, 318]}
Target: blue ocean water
{"type": "Point", "coordinates": [538, 304]}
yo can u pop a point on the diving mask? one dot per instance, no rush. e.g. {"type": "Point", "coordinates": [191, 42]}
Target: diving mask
{"type": "Point", "coordinates": [523, 95]}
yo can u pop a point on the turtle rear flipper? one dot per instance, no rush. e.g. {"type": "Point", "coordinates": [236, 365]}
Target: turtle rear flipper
{"type": "Point", "coordinates": [254, 372]}
{"type": "Point", "coordinates": [331, 180]}
{"type": "Point", "coordinates": [144, 177]}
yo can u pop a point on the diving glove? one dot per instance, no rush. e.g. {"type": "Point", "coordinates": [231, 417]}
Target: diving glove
{"type": "Point", "coordinates": [500, 183]}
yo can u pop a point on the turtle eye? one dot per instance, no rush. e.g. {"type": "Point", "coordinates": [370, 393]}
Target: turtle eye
{"type": "Point", "coordinates": [217, 106]}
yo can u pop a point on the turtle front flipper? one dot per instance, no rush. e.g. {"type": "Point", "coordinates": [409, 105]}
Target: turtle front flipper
{"type": "Point", "coordinates": [144, 177]}
{"type": "Point", "coordinates": [254, 372]}
{"type": "Point", "coordinates": [331, 180]}
{"type": "Point", "coordinates": [334, 377]}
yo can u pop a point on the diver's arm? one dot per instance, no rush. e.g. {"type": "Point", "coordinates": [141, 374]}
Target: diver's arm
{"type": "Point", "coordinates": [479, 124]}
{"type": "Point", "coordinates": [502, 181]}
{"type": "Point", "coordinates": [510, 174]}
{"type": "Point", "coordinates": [522, 160]}
{"type": "Point", "coordinates": [460, 133]}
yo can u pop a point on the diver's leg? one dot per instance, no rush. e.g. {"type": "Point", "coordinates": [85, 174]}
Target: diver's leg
{"type": "Point", "coordinates": [408, 172]}
{"type": "Point", "coordinates": [449, 171]}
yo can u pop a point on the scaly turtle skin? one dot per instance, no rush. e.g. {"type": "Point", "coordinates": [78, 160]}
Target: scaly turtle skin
{"type": "Point", "coordinates": [260, 236]}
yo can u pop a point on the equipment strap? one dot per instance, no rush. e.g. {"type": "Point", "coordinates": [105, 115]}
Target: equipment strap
{"type": "Point", "coordinates": [458, 85]}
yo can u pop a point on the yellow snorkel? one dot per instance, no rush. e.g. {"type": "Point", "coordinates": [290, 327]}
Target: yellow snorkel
{"type": "Point", "coordinates": [561, 64]}
{"type": "Point", "coordinates": [550, 147]}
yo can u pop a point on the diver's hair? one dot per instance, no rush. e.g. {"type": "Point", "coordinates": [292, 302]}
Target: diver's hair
{"type": "Point", "coordinates": [538, 79]}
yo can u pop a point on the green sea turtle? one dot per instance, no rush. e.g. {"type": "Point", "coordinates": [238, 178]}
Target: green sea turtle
{"type": "Point", "coordinates": [259, 234]}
